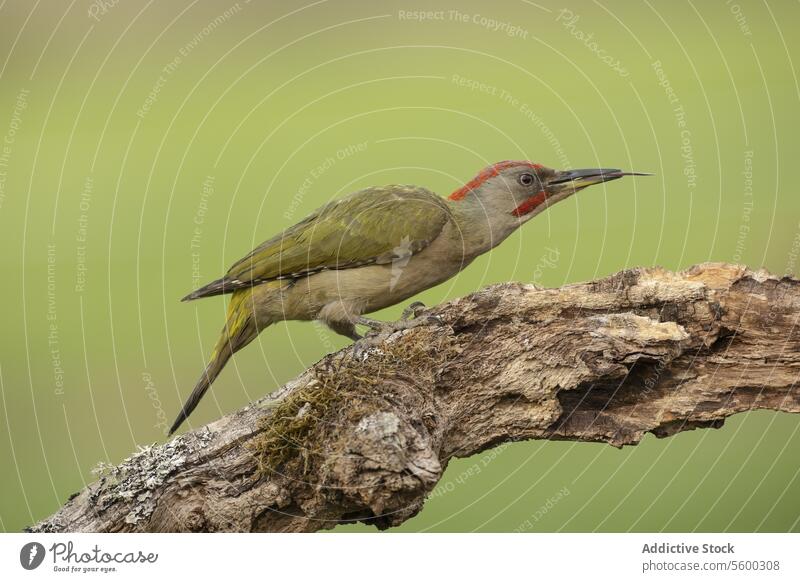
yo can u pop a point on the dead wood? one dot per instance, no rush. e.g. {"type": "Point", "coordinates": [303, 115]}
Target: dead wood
{"type": "Point", "coordinates": [366, 434]}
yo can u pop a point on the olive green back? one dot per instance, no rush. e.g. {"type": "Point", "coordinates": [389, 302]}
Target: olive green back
{"type": "Point", "coordinates": [371, 226]}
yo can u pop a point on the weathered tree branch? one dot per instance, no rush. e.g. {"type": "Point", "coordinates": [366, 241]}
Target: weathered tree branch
{"type": "Point", "coordinates": [366, 434]}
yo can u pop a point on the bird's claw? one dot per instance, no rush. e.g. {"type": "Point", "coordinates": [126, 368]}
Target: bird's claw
{"type": "Point", "coordinates": [434, 320]}
{"type": "Point", "coordinates": [413, 311]}
{"type": "Point", "coordinates": [381, 328]}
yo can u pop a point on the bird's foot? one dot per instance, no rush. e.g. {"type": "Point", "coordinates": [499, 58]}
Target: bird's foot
{"type": "Point", "coordinates": [413, 311]}
{"type": "Point", "coordinates": [412, 317]}
{"type": "Point", "coordinates": [380, 330]}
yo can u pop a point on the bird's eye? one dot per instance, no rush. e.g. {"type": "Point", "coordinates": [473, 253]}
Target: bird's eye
{"type": "Point", "coordinates": [526, 179]}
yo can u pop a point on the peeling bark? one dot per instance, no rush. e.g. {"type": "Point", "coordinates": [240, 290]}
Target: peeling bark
{"type": "Point", "coordinates": [369, 432]}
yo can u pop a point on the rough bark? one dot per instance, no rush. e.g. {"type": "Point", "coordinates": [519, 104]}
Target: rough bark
{"type": "Point", "coordinates": [365, 434]}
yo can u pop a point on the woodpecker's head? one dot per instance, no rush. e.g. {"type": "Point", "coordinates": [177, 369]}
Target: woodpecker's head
{"type": "Point", "coordinates": [516, 191]}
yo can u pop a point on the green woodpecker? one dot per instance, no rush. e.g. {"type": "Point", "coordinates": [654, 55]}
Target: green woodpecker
{"type": "Point", "coordinates": [375, 248]}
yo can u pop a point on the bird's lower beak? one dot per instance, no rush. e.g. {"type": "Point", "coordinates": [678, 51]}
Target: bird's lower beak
{"type": "Point", "coordinates": [587, 177]}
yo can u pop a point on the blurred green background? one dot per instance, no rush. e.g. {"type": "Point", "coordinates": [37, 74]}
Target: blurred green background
{"type": "Point", "coordinates": [146, 146]}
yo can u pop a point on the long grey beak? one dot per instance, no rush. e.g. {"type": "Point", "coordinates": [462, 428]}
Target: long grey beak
{"type": "Point", "coordinates": [587, 177]}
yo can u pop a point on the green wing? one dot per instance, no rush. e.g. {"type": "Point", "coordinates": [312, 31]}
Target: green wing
{"type": "Point", "coordinates": [372, 226]}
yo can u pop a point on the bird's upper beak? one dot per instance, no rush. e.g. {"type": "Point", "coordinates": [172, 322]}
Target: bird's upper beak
{"type": "Point", "coordinates": [577, 179]}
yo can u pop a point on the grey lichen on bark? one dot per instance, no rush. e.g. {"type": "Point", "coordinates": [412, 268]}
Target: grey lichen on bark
{"type": "Point", "coordinates": [365, 434]}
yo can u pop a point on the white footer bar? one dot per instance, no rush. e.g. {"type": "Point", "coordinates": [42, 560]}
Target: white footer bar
{"type": "Point", "coordinates": [348, 557]}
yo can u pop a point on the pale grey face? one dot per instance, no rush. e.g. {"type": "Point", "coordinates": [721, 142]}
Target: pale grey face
{"type": "Point", "coordinates": [515, 191]}
{"type": "Point", "coordinates": [504, 196]}
{"type": "Point", "coordinates": [523, 191]}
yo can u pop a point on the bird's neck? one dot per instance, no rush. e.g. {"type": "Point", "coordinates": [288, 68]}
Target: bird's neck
{"type": "Point", "coordinates": [478, 230]}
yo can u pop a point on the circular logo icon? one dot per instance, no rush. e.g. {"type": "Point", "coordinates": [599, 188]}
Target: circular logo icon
{"type": "Point", "coordinates": [31, 555]}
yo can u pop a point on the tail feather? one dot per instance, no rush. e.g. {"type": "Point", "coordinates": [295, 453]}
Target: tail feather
{"type": "Point", "coordinates": [239, 330]}
{"type": "Point", "coordinates": [218, 287]}
{"type": "Point", "coordinates": [218, 361]}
